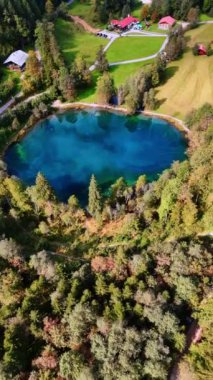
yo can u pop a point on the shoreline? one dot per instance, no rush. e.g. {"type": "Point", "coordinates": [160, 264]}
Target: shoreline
{"type": "Point", "coordinates": [177, 123]}
{"type": "Point", "coordinates": [60, 107]}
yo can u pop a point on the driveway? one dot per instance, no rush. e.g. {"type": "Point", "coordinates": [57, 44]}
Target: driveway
{"type": "Point", "coordinates": [7, 105]}
{"type": "Point", "coordinates": [142, 59]}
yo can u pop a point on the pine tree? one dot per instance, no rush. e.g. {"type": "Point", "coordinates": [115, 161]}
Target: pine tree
{"type": "Point", "coordinates": [94, 205]}
{"type": "Point", "coordinates": [66, 84]}
{"type": "Point", "coordinates": [32, 77]}
{"type": "Point", "coordinates": [105, 88]}
{"type": "Point", "coordinates": [49, 7]}
{"type": "Point", "coordinates": [149, 99]}
{"type": "Point", "coordinates": [33, 67]}
{"type": "Point", "coordinates": [41, 192]}
{"type": "Point", "coordinates": [101, 60]}
{"type": "Point", "coordinates": [126, 10]}
{"type": "Point", "coordinates": [207, 5]}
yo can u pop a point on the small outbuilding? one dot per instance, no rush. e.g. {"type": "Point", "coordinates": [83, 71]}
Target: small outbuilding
{"type": "Point", "coordinates": [201, 49]}
{"type": "Point", "coordinates": [166, 23]}
{"type": "Point", "coordinates": [16, 60]}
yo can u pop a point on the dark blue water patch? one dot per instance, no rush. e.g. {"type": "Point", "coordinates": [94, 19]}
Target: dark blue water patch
{"type": "Point", "coordinates": [68, 148]}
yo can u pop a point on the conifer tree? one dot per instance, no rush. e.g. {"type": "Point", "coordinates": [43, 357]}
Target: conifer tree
{"type": "Point", "coordinates": [49, 7]}
{"type": "Point", "coordinates": [101, 60]}
{"type": "Point", "coordinates": [94, 205]}
{"type": "Point", "coordinates": [41, 192]}
{"type": "Point", "coordinates": [105, 88]}
{"type": "Point", "coordinates": [66, 84]}
{"type": "Point", "coordinates": [33, 67]}
{"type": "Point", "coordinates": [32, 78]}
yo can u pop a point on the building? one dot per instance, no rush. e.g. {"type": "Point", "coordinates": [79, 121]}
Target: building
{"type": "Point", "coordinates": [166, 23]}
{"type": "Point", "coordinates": [201, 50]}
{"type": "Point", "coordinates": [126, 23]}
{"type": "Point", "coordinates": [16, 60]}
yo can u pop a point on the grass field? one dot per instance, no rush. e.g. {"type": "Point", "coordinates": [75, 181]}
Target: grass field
{"type": "Point", "coordinates": [81, 9]}
{"type": "Point", "coordinates": [85, 11]}
{"type": "Point", "coordinates": [127, 48]}
{"type": "Point", "coordinates": [73, 41]}
{"type": "Point", "coordinates": [6, 74]}
{"type": "Point", "coordinates": [119, 73]}
{"type": "Point", "coordinates": [204, 17]}
{"type": "Point", "coordinates": [189, 81]}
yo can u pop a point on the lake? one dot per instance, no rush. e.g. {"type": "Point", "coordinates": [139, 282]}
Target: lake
{"type": "Point", "coordinates": [69, 147]}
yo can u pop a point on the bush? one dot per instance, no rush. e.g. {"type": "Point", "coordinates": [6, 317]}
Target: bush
{"type": "Point", "coordinates": [7, 89]}
{"type": "Point", "coordinates": [195, 49]}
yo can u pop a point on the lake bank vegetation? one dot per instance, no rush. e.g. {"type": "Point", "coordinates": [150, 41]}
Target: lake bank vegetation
{"type": "Point", "coordinates": [111, 291]}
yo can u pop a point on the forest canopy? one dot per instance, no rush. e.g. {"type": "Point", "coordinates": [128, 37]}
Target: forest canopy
{"type": "Point", "coordinates": [116, 300]}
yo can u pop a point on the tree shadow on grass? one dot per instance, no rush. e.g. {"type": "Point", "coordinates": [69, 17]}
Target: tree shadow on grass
{"type": "Point", "coordinates": [159, 103]}
{"type": "Point", "coordinates": [169, 73]}
{"type": "Point", "coordinates": [88, 93]}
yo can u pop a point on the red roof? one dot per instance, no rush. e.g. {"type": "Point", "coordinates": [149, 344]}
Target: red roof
{"type": "Point", "coordinates": [127, 21]}
{"type": "Point", "coordinates": [115, 22]}
{"type": "Point", "coordinates": [202, 49]}
{"type": "Point", "coordinates": [167, 20]}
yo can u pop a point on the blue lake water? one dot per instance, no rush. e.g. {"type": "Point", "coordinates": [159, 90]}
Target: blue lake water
{"type": "Point", "coordinates": [68, 148]}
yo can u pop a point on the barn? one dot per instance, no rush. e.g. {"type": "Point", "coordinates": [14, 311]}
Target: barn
{"type": "Point", "coordinates": [201, 50]}
{"type": "Point", "coordinates": [16, 60]}
{"type": "Point", "coordinates": [166, 23]}
{"type": "Point", "coordinates": [126, 23]}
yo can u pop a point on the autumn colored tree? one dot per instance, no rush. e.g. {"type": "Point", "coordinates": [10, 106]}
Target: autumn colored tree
{"type": "Point", "coordinates": [33, 74]}
{"type": "Point", "coordinates": [105, 88]}
{"type": "Point", "coordinates": [145, 12]}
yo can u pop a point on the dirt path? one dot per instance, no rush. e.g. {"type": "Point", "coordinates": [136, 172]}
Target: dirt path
{"type": "Point", "coordinates": [193, 335]}
{"type": "Point", "coordinates": [84, 24]}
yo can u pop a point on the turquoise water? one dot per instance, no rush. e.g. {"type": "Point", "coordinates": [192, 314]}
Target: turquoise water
{"type": "Point", "coordinates": [68, 148]}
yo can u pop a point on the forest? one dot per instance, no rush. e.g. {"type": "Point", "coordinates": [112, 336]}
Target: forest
{"type": "Point", "coordinates": [105, 9]}
{"type": "Point", "coordinates": [180, 9]}
{"type": "Point", "coordinates": [17, 22]}
{"type": "Point", "coordinates": [109, 292]}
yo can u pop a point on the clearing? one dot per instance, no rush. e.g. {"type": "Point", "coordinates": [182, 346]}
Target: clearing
{"type": "Point", "coordinates": [85, 11]}
{"type": "Point", "coordinates": [127, 48]}
{"type": "Point", "coordinates": [189, 82]}
{"type": "Point", "coordinates": [120, 74]}
{"type": "Point", "coordinates": [5, 75]}
{"type": "Point", "coordinates": [204, 17]}
{"type": "Point", "coordinates": [73, 40]}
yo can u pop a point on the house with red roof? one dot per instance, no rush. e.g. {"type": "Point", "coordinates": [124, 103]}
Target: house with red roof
{"type": "Point", "coordinates": [115, 22]}
{"type": "Point", "coordinates": [201, 50]}
{"type": "Point", "coordinates": [126, 23]}
{"type": "Point", "coordinates": [166, 23]}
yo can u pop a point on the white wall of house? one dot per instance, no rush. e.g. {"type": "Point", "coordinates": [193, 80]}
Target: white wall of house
{"type": "Point", "coordinates": [163, 26]}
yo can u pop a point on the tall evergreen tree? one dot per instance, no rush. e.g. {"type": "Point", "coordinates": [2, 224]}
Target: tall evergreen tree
{"type": "Point", "coordinates": [49, 7]}
{"type": "Point", "coordinates": [94, 204]}
{"type": "Point", "coordinates": [66, 84]}
{"type": "Point", "coordinates": [101, 60]}
{"type": "Point", "coordinates": [105, 88]}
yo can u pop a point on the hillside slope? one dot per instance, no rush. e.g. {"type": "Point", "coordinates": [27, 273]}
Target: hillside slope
{"type": "Point", "coordinates": [191, 81]}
